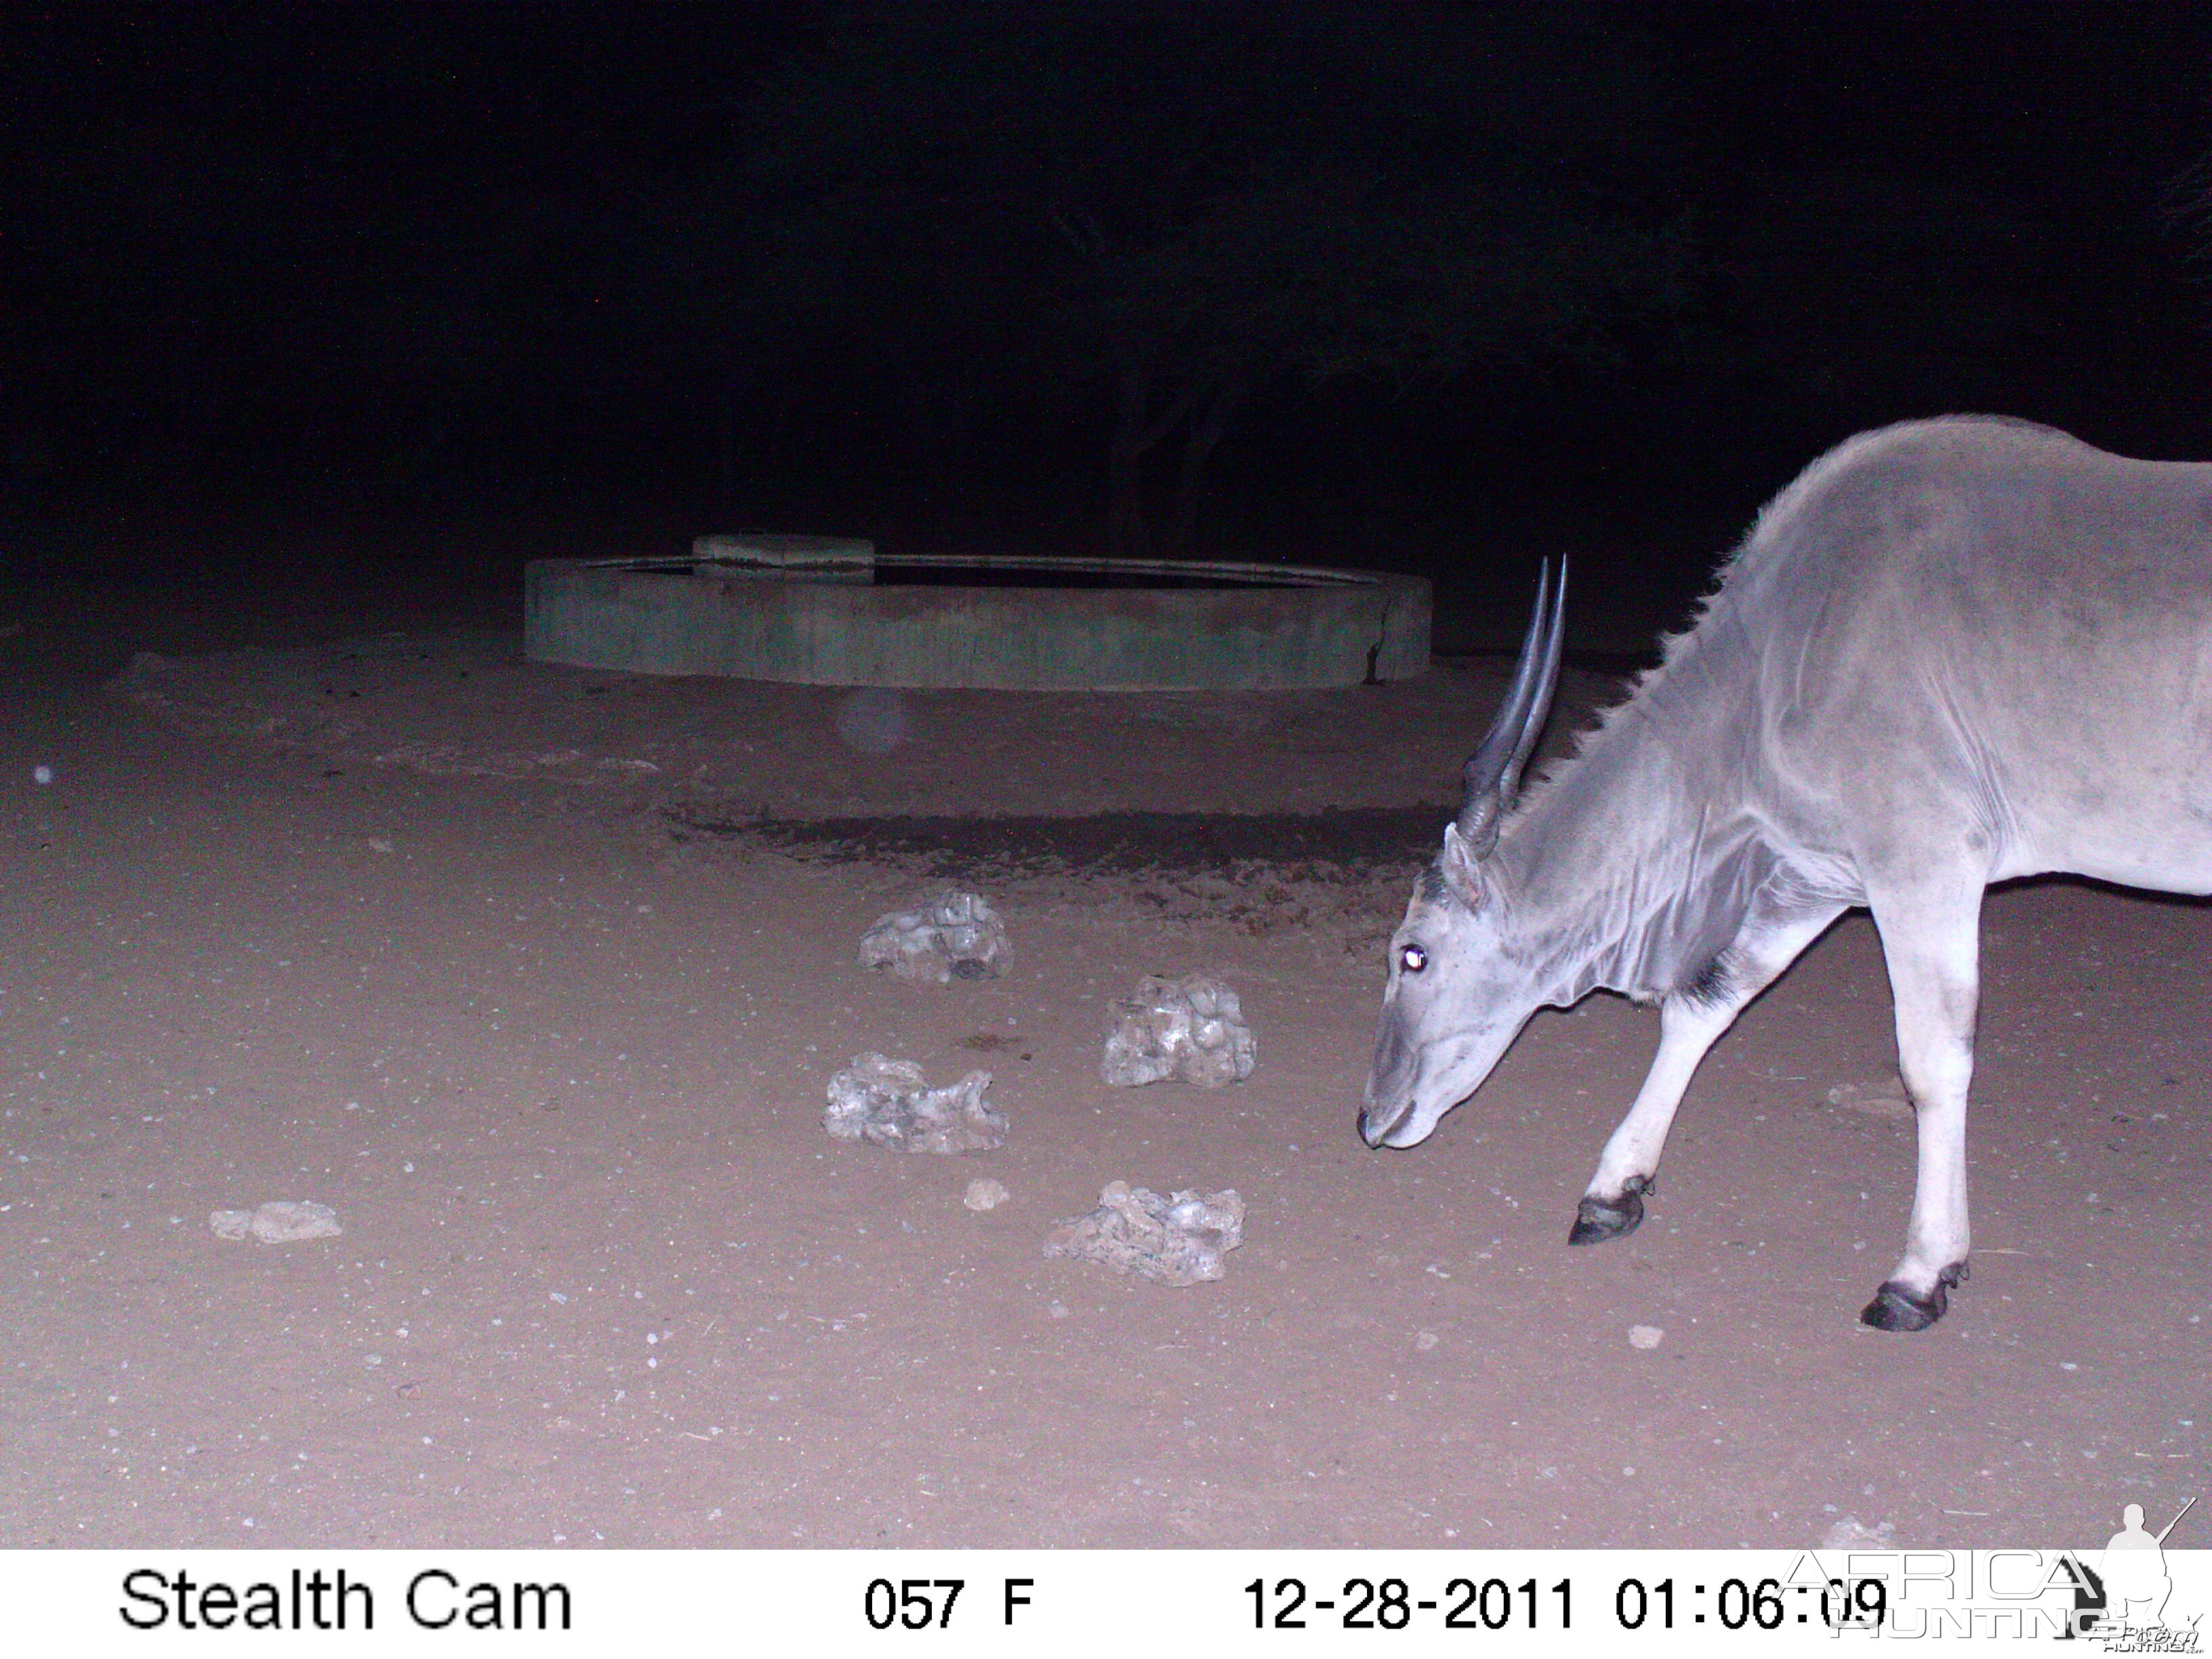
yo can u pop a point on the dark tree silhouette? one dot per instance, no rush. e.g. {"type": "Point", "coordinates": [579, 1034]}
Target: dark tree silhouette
{"type": "Point", "coordinates": [1186, 207]}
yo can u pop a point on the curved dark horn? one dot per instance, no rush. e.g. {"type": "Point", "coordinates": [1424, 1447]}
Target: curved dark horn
{"type": "Point", "coordinates": [1493, 775]}
{"type": "Point", "coordinates": [1539, 706]}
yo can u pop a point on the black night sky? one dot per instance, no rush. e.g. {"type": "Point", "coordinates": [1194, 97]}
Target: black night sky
{"type": "Point", "coordinates": [327, 306]}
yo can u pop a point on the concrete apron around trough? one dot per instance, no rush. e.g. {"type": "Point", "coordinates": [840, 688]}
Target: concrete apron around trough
{"type": "Point", "coordinates": [811, 612]}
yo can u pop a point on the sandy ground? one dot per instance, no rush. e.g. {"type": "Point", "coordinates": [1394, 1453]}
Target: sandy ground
{"type": "Point", "coordinates": [512, 970]}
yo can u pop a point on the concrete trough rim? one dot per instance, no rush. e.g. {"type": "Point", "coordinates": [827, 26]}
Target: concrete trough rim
{"type": "Point", "coordinates": [1234, 573]}
{"type": "Point", "coordinates": [808, 610]}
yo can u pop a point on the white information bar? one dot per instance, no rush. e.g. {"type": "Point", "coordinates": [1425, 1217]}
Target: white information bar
{"type": "Point", "coordinates": [73, 1604]}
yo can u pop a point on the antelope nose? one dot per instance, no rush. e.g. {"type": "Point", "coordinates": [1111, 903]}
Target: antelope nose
{"type": "Point", "coordinates": [1374, 1126]}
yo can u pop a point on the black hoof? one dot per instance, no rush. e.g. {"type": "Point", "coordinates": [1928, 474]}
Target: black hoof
{"type": "Point", "coordinates": [1896, 1308]}
{"type": "Point", "coordinates": [1597, 1220]}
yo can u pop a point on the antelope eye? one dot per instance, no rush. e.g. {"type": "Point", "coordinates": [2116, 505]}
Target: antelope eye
{"type": "Point", "coordinates": [1412, 958]}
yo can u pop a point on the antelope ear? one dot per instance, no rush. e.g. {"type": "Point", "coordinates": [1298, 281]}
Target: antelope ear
{"type": "Point", "coordinates": [1463, 874]}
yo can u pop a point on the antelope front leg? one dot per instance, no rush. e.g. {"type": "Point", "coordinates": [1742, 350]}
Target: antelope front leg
{"type": "Point", "coordinates": [1612, 1207]}
{"type": "Point", "coordinates": [1689, 1024]}
{"type": "Point", "coordinates": [1934, 975]}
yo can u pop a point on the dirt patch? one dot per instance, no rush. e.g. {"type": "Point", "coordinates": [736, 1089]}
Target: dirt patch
{"type": "Point", "coordinates": [552, 1037]}
{"type": "Point", "coordinates": [1328, 844]}
{"type": "Point", "coordinates": [468, 704]}
{"type": "Point", "coordinates": [1337, 880]}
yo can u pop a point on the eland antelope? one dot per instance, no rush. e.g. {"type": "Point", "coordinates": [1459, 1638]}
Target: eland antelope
{"type": "Point", "coordinates": [1952, 653]}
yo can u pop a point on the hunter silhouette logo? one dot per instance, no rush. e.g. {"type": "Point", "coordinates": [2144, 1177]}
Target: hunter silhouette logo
{"type": "Point", "coordinates": [2136, 1585]}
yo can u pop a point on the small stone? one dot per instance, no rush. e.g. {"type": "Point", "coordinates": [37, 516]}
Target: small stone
{"type": "Point", "coordinates": [1850, 1534]}
{"type": "Point", "coordinates": [1427, 1340]}
{"type": "Point", "coordinates": [1645, 1336]}
{"type": "Point", "coordinates": [288, 1221]}
{"type": "Point", "coordinates": [1887, 1098]}
{"type": "Point", "coordinates": [1057, 1310]}
{"type": "Point", "coordinates": [281, 1221]}
{"type": "Point", "coordinates": [985, 1194]}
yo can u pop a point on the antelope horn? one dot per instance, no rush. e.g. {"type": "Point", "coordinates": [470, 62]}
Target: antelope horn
{"type": "Point", "coordinates": [1493, 775]}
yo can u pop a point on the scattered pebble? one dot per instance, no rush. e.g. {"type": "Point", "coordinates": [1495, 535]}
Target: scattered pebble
{"type": "Point", "coordinates": [1645, 1336]}
{"type": "Point", "coordinates": [45, 775]}
{"type": "Point", "coordinates": [1884, 1099]}
{"type": "Point", "coordinates": [1057, 1310]}
{"type": "Point", "coordinates": [286, 1221]}
{"type": "Point", "coordinates": [281, 1221]}
{"type": "Point", "coordinates": [985, 1194]}
{"type": "Point", "coordinates": [1427, 1340]}
{"type": "Point", "coordinates": [1177, 1240]}
{"type": "Point", "coordinates": [1849, 1534]}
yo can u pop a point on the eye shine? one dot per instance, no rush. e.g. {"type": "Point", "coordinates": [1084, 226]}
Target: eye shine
{"type": "Point", "coordinates": [1412, 958]}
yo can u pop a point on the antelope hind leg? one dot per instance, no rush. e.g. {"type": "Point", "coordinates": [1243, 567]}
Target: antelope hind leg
{"type": "Point", "coordinates": [1931, 939]}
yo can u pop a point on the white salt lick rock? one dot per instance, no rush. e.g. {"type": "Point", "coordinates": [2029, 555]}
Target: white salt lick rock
{"type": "Point", "coordinates": [888, 1103]}
{"type": "Point", "coordinates": [947, 935]}
{"type": "Point", "coordinates": [1192, 1027]}
{"type": "Point", "coordinates": [1177, 1240]}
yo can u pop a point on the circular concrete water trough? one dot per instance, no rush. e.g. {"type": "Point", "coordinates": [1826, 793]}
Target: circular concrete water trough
{"type": "Point", "coordinates": [817, 611]}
